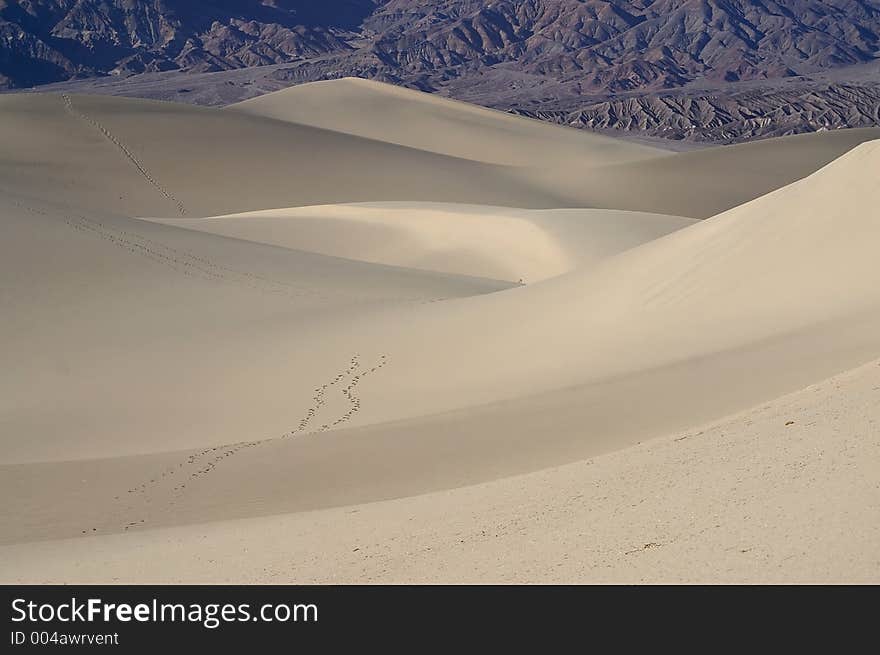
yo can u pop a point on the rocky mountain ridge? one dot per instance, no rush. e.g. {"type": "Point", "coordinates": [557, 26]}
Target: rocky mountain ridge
{"type": "Point", "coordinates": [605, 46]}
{"type": "Point", "coordinates": [672, 68]}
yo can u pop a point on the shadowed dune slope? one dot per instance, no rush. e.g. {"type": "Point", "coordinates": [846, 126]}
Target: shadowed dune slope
{"type": "Point", "coordinates": [706, 182]}
{"type": "Point", "coordinates": [145, 158]}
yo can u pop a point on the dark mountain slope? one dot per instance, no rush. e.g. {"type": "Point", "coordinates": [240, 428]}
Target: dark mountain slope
{"type": "Point", "coordinates": [677, 68]}
{"type": "Point", "coordinates": [599, 45]}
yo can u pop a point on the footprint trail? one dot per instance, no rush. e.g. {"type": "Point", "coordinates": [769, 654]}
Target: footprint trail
{"type": "Point", "coordinates": [202, 463]}
{"type": "Point", "coordinates": [73, 111]}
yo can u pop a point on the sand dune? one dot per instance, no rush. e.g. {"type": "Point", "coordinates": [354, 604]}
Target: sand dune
{"type": "Point", "coordinates": [706, 182]}
{"type": "Point", "coordinates": [425, 122]}
{"type": "Point", "coordinates": [494, 242]}
{"type": "Point", "coordinates": [679, 297]}
{"type": "Point", "coordinates": [781, 493]}
{"type": "Point", "coordinates": [179, 350]}
{"type": "Point", "coordinates": [702, 322]}
{"type": "Point", "coordinates": [104, 307]}
{"type": "Point", "coordinates": [145, 158]}
{"type": "Point", "coordinates": [73, 149]}
{"type": "Point", "coordinates": [594, 170]}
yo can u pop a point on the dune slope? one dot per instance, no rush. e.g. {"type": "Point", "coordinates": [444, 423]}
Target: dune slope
{"type": "Point", "coordinates": [703, 183]}
{"type": "Point", "coordinates": [592, 169]}
{"type": "Point", "coordinates": [782, 493]}
{"type": "Point", "coordinates": [147, 158]}
{"type": "Point", "coordinates": [123, 322]}
{"type": "Point", "coordinates": [419, 120]}
{"type": "Point", "coordinates": [494, 242]}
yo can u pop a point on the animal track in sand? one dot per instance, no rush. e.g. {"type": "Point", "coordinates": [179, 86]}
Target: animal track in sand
{"type": "Point", "coordinates": [354, 400]}
{"type": "Point", "coordinates": [311, 413]}
{"type": "Point", "coordinates": [202, 463]}
{"type": "Point", "coordinates": [73, 111]}
{"type": "Point", "coordinates": [205, 461]}
{"type": "Point", "coordinates": [319, 399]}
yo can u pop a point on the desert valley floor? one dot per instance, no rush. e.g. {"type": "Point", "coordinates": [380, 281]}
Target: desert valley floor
{"type": "Point", "coordinates": [347, 332]}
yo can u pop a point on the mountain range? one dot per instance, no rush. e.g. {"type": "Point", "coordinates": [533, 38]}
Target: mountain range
{"type": "Point", "coordinates": [578, 62]}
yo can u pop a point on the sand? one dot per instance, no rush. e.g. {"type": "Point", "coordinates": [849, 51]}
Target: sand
{"type": "Point", "coordinates": [478, 240]}
{"type": "Point", "coordinates": [409, 118]}
{"type": "Point", "coordinates": [784, 492]}
{"type": "Point", "coordinates": [270, 316]}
